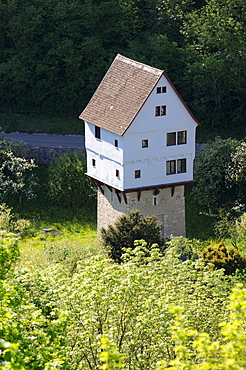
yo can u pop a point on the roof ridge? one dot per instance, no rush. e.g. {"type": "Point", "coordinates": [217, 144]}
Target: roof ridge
{"type": "Point", "coordinates": [135, 64]}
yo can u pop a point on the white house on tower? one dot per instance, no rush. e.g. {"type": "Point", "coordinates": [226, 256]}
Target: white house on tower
{"type": "Point", "coordinates": [140, 145]}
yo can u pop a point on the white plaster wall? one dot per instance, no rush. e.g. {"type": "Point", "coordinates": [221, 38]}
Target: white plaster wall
{"type": "Point", "coordinates": [108, 157]}
{"type": "Point", "coordinates": [152, 160]}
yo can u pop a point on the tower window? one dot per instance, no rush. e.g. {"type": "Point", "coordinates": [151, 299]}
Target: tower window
{"type": "Point", "coordinates": [161, 90]}
{"type": "Point", "coordinates": [97, 132]}
{"type": "Point", "coordinates": [171, 138]}
{"type": "Point", "coordinates": [182, 137]}
{"type": "Point", "coordinates": [137, 174]}
{"type": "Point", "coordinates": [145, 143]}
{"type": "Point", "coordinates": [181, 165]}
{"type": "Point", "coordinates": [171, 167]}
{"type": "Point", "coordinates": [117, 172]}
{"type": "Point", "coordinates": [93, 162]}
{"type": "Point", "coordinates": [160, 110]}
{"type": "Point", "coordinates": [116, 143]}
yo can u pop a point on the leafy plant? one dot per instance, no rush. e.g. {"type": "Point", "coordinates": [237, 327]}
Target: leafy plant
{"type": "Point", "coordinates": [68, 185]}
{"type": "Point", "coordinates": [128, 228]}
{"type": "Point", "coordinates": [228, 258]}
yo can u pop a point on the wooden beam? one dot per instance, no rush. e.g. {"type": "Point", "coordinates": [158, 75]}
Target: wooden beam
{"type": "Point", "coordinates": [109, 188]}
{"type": "Point", "coordinates": [172, 191]}
{"type": "Point", "coordinates": [125, 198]}
{"type": "Point", "coordinates": [118, 195]}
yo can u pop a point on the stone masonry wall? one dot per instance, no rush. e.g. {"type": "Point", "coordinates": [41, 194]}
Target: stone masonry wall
{"type": "Point", "coordinates": [45, 155]}
{"type": "Point", "coordinates": [170, 210]}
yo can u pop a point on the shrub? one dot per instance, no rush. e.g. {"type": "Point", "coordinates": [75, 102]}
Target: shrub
{"type": "Point", "coordinates": [128, 228]}
{"type": "Point", "coordinates": [68, 184]}
{"type": "Point", "coordinates": [230, 259]}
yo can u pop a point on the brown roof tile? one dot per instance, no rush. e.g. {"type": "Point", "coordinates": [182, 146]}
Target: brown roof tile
{"type": "Point", "coordinates": [121, 94]}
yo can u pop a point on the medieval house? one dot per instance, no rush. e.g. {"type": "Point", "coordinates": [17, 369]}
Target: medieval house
{"type": "Point", "coordinates": [140, 144]}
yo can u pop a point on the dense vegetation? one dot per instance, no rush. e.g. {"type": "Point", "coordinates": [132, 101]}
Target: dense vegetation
{"type": "Point", "coordinates": [53, 54]}
{"type": "Point", "coordinates": [66, 305]}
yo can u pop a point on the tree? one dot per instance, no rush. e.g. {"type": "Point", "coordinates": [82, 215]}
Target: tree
{"type": "Point", "coordinates": [212, 189]}
{"type": "Point", "coordinates": [16, 176]}
{"type": "Point", "coordinates": [128, 228]}
{"type": "Point", "coordinates": [237, 171]}
{"type": "Point", "coordinates": [68, 185]}
{"type": "Point", "coordinates": [216, 37]}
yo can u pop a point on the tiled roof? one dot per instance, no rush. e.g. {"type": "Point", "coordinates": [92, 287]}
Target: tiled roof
{"type": "Point", "coordinates": [121, 94]}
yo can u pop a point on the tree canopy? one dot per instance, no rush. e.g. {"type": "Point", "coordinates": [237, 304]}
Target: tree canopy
{"type": "Point", "coordinates": [53, 54]}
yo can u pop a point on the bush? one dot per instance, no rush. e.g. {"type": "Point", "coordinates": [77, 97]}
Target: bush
{"type": "Point", "coordinates": [128, 228]}
{"type": "Point", "coordinates": [230, 259]}
{"type": "Point", "coordinates": [68, 184]}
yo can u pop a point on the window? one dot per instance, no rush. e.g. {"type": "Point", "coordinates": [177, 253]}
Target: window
{"type": "Point", "coordinates": [97, 132]}
{"type": "Point", "coordinates": [171, 167]}
{"type": "Point", "coordinates": [154, 201]}
{"type": "Point", "coordinates": [174, 138]}
{"type": "Point", "coordinates": [171, 138]}
{"type": "Point", "coordinates": [145, 143]}
{"type": "Point", "coordinates": [162, 89]}
{"type": "Point", "coordinates": [117, 172]}
{"type": "Point", "coordinates": [182, 137]}
{"type": "Point", "coordinates": [160, 110]}
{"type": "Point", "coordinates": [181, 165]}
{"type": "Point", "coordinates": [116, 143]}
{"type": "Point", "coordinates": [93, 162]}
{"type": "Point", "coordinates": [137, 174]}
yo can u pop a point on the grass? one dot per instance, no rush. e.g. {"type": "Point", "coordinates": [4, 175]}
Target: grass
{"type": "Point", "coordinates": [56, 234]}
{"type": "Point", "coordinates": [41, 124]}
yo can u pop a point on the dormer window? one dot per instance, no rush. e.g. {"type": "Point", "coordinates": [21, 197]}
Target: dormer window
{"type": "Point", "coordinates": [161, 89]}
{"type": "Point", "coordinates": [97, 132]}
{"type": "Point", "coordinates": [160, 110]}
{"type": "Point", "coordinates": [116, 143]}
{"type": "Point", "coordinates": [145, 143]}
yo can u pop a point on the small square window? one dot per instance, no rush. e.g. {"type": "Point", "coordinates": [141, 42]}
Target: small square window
{"type": "Point", "coordinates": [182, 137]}
{"type": "Point", "coordinates": [171, 138]}
{"type": "Point", "coordinates": [97, 132]}
{"type": "Point", "coordinates": [161, 90]}
{"type": "Point", "coordinates": [145, 143]}
{"type": "Point", "coordinates": [160, 110]}
{"type": "Point", "coordinates": [117, 172]}
{"type": "Point", "coordinates": [93, 162]}
{"type": "Point", "coordinates": [181, 165]}
{"type": "Point", "coordinates": [171, 167]}
{"type": "Point", "coordinates": [116, 143]}
{"type": "Point", "coordinates": [137, 174]}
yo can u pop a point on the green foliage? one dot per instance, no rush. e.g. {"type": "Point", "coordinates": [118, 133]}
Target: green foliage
{"type": "Point", "coordinates": [194, 350]}
{"type": "Point", "coordinates": [127, 302]}
{"type": "Point", "coordinates": [16, 172]}
{"type": "Point", "coordinates": [10, 359]}
{"type": "Point", "coordinates": [237, 171]}
{"type": "Point", "coordinates": [128, 228]}
{"type": "Point", "coordinates": [68, 184]}
{"type": "Point", "coordinates": [228, 258]}
{"type": "Point", "coordinates": [9, 252]}
{"type": "Point", "coordinates": [212, 189]}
